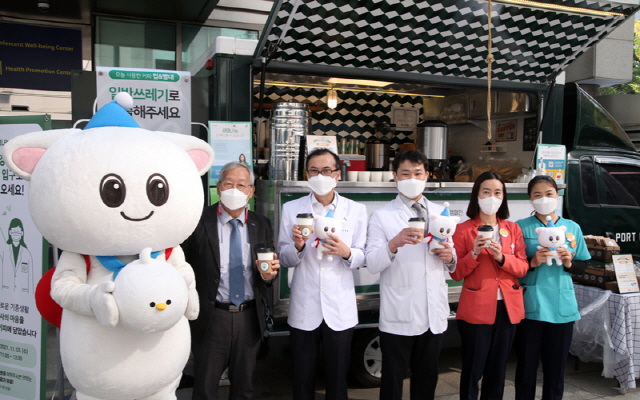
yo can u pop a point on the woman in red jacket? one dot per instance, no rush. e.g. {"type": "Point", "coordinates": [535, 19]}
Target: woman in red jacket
{"type": "Point", "coordinates": [491, 300]}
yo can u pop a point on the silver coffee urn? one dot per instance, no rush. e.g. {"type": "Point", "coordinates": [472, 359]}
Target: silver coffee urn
{"type": "Point", "coordinates": [290, 123]}
{"type": "Point", "coordinates": [431, 139]}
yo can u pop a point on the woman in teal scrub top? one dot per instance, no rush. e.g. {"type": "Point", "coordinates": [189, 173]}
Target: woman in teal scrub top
{"type": "Point", "coordinates": [549, 300]}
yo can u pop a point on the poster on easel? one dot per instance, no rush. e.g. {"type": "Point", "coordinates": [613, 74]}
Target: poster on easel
{"type": "Point", "coordinates": [23, 260]}
{"type": "Point", "coordinates": [625, 273]}
{"type": "Point", "coordinates": [231, 141]}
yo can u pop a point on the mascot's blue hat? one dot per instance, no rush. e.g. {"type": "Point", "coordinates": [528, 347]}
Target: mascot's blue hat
{"type": "Point", "coordinates": [550, 223]}
{"type": "Point", "coordinates": [114, 113]}
{"type": "Point", "coordinates": [329, 214]}
{"type": "Point", "coordinates": [445, 212]}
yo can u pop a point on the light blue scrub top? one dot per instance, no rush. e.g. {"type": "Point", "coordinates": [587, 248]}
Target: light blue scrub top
{"type": "Point", "coordinates": [549, 294]}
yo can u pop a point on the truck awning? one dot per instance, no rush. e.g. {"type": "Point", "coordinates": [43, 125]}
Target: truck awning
{"type": "Point", "coordinates": [532, 41]}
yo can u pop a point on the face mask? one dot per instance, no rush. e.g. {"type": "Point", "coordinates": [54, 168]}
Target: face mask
{"type": "Point", "coordinates": [545, 205]}
{"type": "Point", "coordinates": [233, 199]}
{"type": "Point", "coordinates": [411, 188]}
{"type": "Point", "coordinates": [321, 185]}
{"type": "Point", "coordinates": [489, 205]}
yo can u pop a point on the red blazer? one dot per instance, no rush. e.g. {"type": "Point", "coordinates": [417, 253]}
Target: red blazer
{"type": "Point", "coordinates": [482, 276]}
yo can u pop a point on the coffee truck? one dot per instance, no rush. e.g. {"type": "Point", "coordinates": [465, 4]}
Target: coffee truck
{"type": "Point", "coordinates": [426, 55]}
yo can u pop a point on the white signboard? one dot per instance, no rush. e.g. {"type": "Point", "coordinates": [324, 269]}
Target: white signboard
{"type": "Point", "coordinates": [625, 273]}
{"type": "Point", "coordinates": [315, 142]}
{"type": "Point", "coordinates": [161, 99]}
{"type": "Point", "coordinates": [21, 250]}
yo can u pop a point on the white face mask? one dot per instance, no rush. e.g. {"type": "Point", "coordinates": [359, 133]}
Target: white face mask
{"type": "Point", "coordinates": [321, 185]}
{"type": "Point", "coordinates": [545, 205]}
{"type": "Point", "coordinates": [411, 188]}
{"type": "Point", "coordinates": [233, 199]}
{"type": "Point", "coordinates": [489, 205]}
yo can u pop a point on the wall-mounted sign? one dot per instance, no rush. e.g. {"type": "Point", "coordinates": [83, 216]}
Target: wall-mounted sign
{"type": "Point", "coordinates": [405, 118]}
{"type": "Point", "coordinates": [161, 99]}
{"type": "Point", "coordinates": [23, 259]}
{"type": "Point", "coordinates": [38, 57]}
{"type": "Point", "coordinates": [506, 131]}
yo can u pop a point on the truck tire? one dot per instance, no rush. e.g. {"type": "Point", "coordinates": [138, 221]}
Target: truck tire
{"type": "Point", "coordinates": [366, 358]}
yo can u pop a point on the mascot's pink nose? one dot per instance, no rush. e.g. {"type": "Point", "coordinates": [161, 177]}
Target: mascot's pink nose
{"type": "Point", "coordinates": [161, 306]}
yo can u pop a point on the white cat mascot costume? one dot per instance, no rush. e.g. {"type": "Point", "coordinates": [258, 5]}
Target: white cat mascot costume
{"type": "Point", "coordinates": [103, 195]}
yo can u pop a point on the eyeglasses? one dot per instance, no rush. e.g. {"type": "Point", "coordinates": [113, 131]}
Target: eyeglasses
{"type": "Point", "coordinates": [230, 185]}
{"type": "Point", "coordinates": [324, 171]}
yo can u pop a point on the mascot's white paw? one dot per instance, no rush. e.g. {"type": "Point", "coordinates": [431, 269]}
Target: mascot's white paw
{"type": "Point", "coordinates": [104, 304]}
{"type": "Point", "coordinates": [193, 306]}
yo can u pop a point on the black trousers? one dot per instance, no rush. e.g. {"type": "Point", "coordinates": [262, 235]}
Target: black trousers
{"type": "Point", "coordinates": [536, 341]}
{"type": "Point", "coordinates": [420, 353]}
{"type": "Point", "coordinates": [337, 355]}
{"type": "Point", "coordinates": [233, 341]}
{"type": "Point", "coordinates": [485, 349]}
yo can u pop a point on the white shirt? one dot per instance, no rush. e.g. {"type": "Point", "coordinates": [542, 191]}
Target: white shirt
{"type": "Point", "coordinates": [224, 234]}
{"type": "Point", "coordinates": [323, 289]}
{"type": "Point", "coordinates": [413, 290]}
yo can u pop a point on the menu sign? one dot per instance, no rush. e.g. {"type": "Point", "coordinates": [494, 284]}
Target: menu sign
{"type": "Point", "coordinates": [625, 273]}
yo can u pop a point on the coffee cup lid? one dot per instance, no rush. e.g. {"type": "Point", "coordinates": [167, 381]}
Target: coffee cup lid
{"type": "Point", "coordinates": [304, 216]}
{"type": "Point", "coordinates": [416, 219]}
{"type": "Point", "coordinates": [265, 250]}
{"type": "Point", "coordinates": [485, 228]}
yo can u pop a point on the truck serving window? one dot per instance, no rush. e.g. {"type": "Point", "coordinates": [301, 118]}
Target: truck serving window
{"type": "Point", "coordinates": [621, 184]}
{"type": "Point", "coordinates": [587, 176]}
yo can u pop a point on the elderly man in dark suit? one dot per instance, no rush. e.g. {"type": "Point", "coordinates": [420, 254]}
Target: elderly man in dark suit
{"type": "Point", "coordinates": [233, 293]}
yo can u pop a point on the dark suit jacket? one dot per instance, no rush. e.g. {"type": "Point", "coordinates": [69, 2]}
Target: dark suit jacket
{"type": "Point", "coordinates": [202, 251]}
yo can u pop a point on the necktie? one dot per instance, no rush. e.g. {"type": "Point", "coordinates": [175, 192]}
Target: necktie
{"type": "Point", "coordinates": [419, 210]}
{"type": "Point", "coordinates": [236, 267]}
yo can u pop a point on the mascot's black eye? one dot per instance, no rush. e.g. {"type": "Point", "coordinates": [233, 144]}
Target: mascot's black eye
{"type": "Point", "coordinates": [168, 302]}
{"type": "Point", "coordinates": [441, 230]}
{"type": "Point", "coordinates": [333, 230]}
{"type": "Point", "coordinates": [326, 229]}
{"type": "Point", "coordinates": [558, 238]}
{"type": "Point", "coordinates": [112, 190]}
{"type": "Point", "coordinates": [157, 189]}
{"type": "Point", "coordinates": [152, 304]}
{"type": "Point", "coordinates": [551, 238]}
{"type": "Point", "coordinates": [448, 231]}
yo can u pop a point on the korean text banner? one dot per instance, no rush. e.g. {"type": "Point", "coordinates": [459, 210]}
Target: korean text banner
{"type": "Point", "coordinates": [161, 99]}
{"type": "Point", "coordinates": [22, 260]}
{"type": "Point", "coordinates": [38, 57]}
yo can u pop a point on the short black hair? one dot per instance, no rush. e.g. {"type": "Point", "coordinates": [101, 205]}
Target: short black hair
{"type": "Point", "coordinates": [474, 209]}
{"type": "Point", "coordinates": [541, 178]}
{"type": "Point", "coordinates": [415, 156]}
{"type": "Point", "coordinates": [319, 152]}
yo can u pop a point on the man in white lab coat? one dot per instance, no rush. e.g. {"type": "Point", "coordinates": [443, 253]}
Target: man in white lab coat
{"type": "Point", "coordinates": [323, 300]}
{"type": "Point", "coordinates": [413, 292]}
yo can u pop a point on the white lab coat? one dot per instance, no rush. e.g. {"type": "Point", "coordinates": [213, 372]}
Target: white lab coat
{"type": "Point", "coordinates": [413, 288]}
{"type": "Point", "coordinates": [323, 289]}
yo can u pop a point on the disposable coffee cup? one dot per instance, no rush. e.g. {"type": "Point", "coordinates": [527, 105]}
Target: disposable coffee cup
{"type": "Point", "coordinates": [265, 256]}
{"type": "Point", "coordinates": [305, 223]}
{"type": "Point", "coordinates": [486, 231]}
{"type": "Point", "coordinates": [417, 222]}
